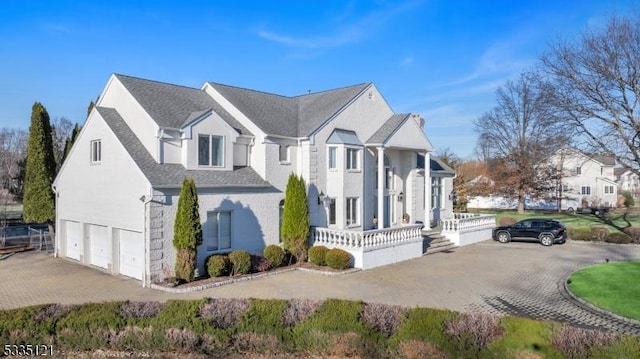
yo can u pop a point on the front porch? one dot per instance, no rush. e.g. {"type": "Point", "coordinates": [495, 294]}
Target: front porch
{"type": "Point", "coordinates": [379, 247]}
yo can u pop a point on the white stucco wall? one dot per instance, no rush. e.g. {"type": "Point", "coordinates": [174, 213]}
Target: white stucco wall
{"type": "Point", "coordinates": [115, 95]}
{"type": "Point", "coordinates": [254, 219]}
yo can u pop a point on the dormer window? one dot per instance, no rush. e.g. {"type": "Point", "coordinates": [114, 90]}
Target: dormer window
{"type": "Point", "coordinates": [210, 150]}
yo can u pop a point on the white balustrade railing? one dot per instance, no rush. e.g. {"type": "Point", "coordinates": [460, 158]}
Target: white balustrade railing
{"type": "Point", "coordinates": [468, 222]}
{"type": "Point", "coordinates": [366, 239]}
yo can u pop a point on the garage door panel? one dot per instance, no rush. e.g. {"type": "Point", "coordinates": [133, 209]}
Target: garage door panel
{"type": "Point", "coordinates": [99, 246]}
{"type": "Point", "coordinates": [131, 253]}
{"type": "Point", "coordinates": [73, 231]}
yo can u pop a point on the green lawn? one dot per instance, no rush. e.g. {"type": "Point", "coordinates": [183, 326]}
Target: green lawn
{"type": "Point", "coordinates": [615, 220]}
{"type": "Point", "coordinates": [613, 286]}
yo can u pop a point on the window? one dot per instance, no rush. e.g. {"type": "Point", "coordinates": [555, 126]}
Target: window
{"type": "Point", "coordinates": [352, 158]}
{"type": "Point", "coordinates": [96, 151]}
{"type": "Point", "coordinates": [420, 161]}
{"type": "Point", "coordinates": [281, 216]}
{"type": "Point", "coordinates": [578, 170]}
{"type": "Point", "coordinates": [218, 227]}
{"type": "Point", "coordinates": [332, 211]}
{"type": "Point", "coordinates": [586, 190]}
{"type": "Point", "coordinates": [436, 189]}
{"type": "Point", "coordinates": [389, 183]}
{"type": "Point", "coordinates": [210, 150]}
{"type": "Point", "coordinates": [332, 158]}
{"type": "Point", "coordinates": [283, 154]}
{"type": "Point", "coordinates": [608, 189]}
{"type": "Point", "coordinates": [352, 211]}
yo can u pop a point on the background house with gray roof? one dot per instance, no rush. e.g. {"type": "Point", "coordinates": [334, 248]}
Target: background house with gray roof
{"type": "Point", "coordinates": [117, 192]}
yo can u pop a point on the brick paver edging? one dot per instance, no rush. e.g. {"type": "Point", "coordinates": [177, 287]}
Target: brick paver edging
{"type": "Point", "coordinates": [588, 306]}
{"type": "Point", "coordinates": [232, 280]}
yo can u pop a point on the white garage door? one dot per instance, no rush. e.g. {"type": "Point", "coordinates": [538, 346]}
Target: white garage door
{"type": "Point", "coordinates": [99, 245]}
{"type": "Point", "coordinates": [73, 230]}
{"type": "Point", "coordinates": [131, 253]}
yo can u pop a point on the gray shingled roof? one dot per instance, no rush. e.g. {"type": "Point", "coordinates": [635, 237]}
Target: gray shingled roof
{"type": "Point", "coordinates": [388, 128]}
{"type": "Point", "coordinates": [344, 137]}
{"type": "Point", "coordinates": [605, 160]}
{"type": "Point", "coordinates": [171, 175]}
{"type": "Point", "coordinates": [289, 116]}
{"type": "Point", "coordinates": [172, 106]}
{"type": "Point", "coordinates": [437, 166]}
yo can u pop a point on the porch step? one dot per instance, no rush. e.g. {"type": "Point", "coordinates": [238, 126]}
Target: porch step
{"type": "Point", "coordinates": [436, 242]}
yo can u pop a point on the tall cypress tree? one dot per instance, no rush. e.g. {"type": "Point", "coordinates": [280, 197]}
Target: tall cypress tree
{"type": "Point", "coordinates": [187, 231]}
{"type": "Point", "coordinates": [38, 201]}
{"type": "Point", "coordinates": [295, 221]}
{"type": "Point", "coordinates": [68, 143]}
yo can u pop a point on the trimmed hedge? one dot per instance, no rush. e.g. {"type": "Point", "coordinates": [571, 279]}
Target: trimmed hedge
{"type": "Point", "coordinates": [296, 328]}
{"type": "Point", "coordinates": [217, 265]}
{"type": "Point", "coordinates": [317, 255]}
{"type": "Point", "coordinates": [274, 254]}
{"type": "Point", "coordinates": [507, 221]}
{"type": "Point", "coordinates": [240, 262]}
{"type": "Point", "coordinates": [337, 258]}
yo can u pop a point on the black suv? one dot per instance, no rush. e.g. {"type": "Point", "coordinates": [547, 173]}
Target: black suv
{"type": "Point", "coordinates": [545, 231]}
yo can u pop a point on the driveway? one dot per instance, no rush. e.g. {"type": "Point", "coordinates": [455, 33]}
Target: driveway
{"type": "Point", "coordinates": [523, 279]}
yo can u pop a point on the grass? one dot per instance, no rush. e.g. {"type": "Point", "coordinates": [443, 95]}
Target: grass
{"type": "Point", "coordinates": [616, 220]}
{"type": "Point", "coordinates": [613, 286]}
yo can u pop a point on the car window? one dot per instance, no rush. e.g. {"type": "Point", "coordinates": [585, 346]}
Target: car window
{"type": "Point", "coordinates": [536, 224]}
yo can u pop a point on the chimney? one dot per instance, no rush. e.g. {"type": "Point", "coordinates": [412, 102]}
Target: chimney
{"type": "Point", "coordinates": [418, 119]}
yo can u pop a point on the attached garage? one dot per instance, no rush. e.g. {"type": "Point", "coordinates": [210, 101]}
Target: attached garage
{"type": "Point", "coordinates": [99, 245]}
{"type": "Point", "coordinates": [131, 257]}
{"type": "Point", "coordinates": [73, 247]}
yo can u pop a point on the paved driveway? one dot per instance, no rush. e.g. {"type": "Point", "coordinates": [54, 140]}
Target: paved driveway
{"type": "Point", "coordinates": [523, 279]}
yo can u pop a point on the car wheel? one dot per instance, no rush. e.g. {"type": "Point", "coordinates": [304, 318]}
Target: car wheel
{"type": "Point", "coordinates": [596, 212]}
{"type": "Point", "coordinates": [571, 210]}
{"type": "Point", "coordinates": [503, 237]}
{"type": "Point", "coordinates": [546, 240]}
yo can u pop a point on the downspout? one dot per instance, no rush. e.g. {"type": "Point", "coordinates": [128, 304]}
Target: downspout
{"type": "Point", "coordinates": [55, 221]}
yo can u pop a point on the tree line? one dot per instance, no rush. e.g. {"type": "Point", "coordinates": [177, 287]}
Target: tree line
{"type": "Point", "coordinates": [583, 93]}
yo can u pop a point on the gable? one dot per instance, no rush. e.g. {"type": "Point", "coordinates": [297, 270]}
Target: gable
{"type": "Point", "coordinates": [401, 131]}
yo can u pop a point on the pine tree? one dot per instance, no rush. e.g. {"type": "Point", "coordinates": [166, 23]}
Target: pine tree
{"type": "Point", "coordinates": [68, 143]}
{"type": "Point", "coordinates": [187, 231]}
{"type": "Point", "coordinates": [38, 200]}
{"type": "Point", "coordinates": [295, 221]}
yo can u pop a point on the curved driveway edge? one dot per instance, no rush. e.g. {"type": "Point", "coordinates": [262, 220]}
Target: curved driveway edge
{"type": "Point", "coordinates": [522, 279]}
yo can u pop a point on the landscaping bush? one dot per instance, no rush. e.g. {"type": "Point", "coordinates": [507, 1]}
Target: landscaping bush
{"type": "Point", "coordinates": [217, 265]}
{"type": "Point", "coordinates": [417, 349]}
{"type": "Point", "coordinates": [140, 309]}
{"type": "Point", "coordinates": [577, 342]}
{"type": "Point", "coordinates": [261, 264]}
{"type": "Point", "coordinates": [634, 234]}
{"type": "Point", "coordinates": [382, 317]}
{"type": "Point", "coordinates": [599, 234]}
{"type": "Point", "coordinates": [426, 325]}
{"type": "Point", "coordinates": [579, 234]}
{"type": "Point", "coordinates": [274, 254]}
{"type": "Point", "coordinates": [507, 221]}
{"type": "Point", "coordinates": [338, 259]}
{"type": "Point", "coordinates": [223, 313]}
{"type": "Point", "coordinates": [618, 238]}
{"type": "Point", "coordinates": [52, 311]}
{"type": "Point", "coordinates": [317, 255]}
{"type": "Point", "coordinates": [298, 310]}
{"type": "Point", "coordinates": [186, 264]}
{"type": "Point", "coordinates": [183, 340]}
{"type": "Point", "coordinates": [473, 331]}
{"type": "Point", "coordinates": [240, 262]}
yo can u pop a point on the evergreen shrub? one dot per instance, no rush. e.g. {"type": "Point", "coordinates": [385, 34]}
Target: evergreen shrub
{"type": "Point", "coordinates": [274, 254]}
{"type": "Point", "coordinates": [217, 265]}
{"type": "Point", "coordinates": [240, 262]}
{"type": "Point", "coordinates": [317, 255]}
{"type": "Point", "coordinates": [337, 258]}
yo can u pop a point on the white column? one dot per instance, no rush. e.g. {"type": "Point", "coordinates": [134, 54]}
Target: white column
{"type": "Point", "coordinates": [427, 191]}
{"type": "Point", "coordinates": [381, 176]}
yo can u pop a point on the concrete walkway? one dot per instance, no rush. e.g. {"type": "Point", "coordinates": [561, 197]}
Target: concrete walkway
{"type": "Point", "coordinates": [523, 279]}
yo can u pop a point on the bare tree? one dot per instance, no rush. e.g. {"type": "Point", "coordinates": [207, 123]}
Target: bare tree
{"type": "Point", "coordinates": [447, 156]}
{"type": "Point", "coordinates": [62, 129]}
{"type": "Point", "coordinates": [518, 135]}
{"type": "Point", "coordinates": [596, 81]}
{"type": "Point", "coordinates": [13, 149]}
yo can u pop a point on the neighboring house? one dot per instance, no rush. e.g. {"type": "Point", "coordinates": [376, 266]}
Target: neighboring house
{"type": "Point", "coordinates": [587, 181]}
{"type": "Point", "coordinates": [627, 181]}
{"type": "Point", "coordinates": [117, 191]}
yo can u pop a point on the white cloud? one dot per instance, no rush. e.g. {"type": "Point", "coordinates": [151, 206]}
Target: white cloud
{"type": "Point", "coordinates": [352, 32]}
{"type": "Point", "coordinates": [407, 61]}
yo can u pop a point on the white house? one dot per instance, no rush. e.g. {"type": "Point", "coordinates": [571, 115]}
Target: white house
{"type": "Point", "coordinates": [117, 192]}
{"type": "Point", "coordinates": [586, 181]}
{"type": "Point", "coordinates": [627, 181]}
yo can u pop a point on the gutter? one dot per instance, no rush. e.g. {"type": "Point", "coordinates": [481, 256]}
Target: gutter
{"type": "Point", "coordinates": [55, 222]}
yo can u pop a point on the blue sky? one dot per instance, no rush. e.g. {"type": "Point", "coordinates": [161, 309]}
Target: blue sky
{"type": "Point", "coordinates": [441, 59]}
